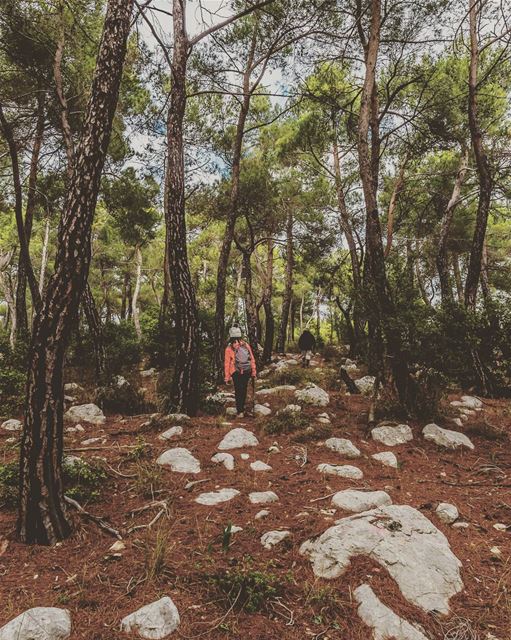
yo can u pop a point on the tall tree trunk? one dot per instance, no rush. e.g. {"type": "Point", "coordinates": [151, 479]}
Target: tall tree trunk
{"type": "Point", "coordinates": [485, 284]}
{"type": "Point", "coordinates": [136, 292]}
{"type": "Point", "coordinates": [42, 513]}
{"type": "Point", "coordinates": [457, 277]}
{"type": "Point", "coordinates": [21, 289]}
{"type": "Point", "coordinates": [482, 164]}
{"type": "Point", "coordinates": [442, 259]}
{"type": "Point", "coordinates": [44, 255]}
{"type": "Point", "coordinates": [288, 284]}
{"type": "Point", "coordinates": [185, 384]}
{"type": "Point", "coordinates": [225, 251]}
{"type": "Point", "coordinates": [250, 305]}
{"type": "Point", "coordinates": [96, 331]}
{"type": "Point", "coordinates": [347, 229]}
{"type": "Point", "coordinates": [269, 320]}
{"type": "Point", "coordinates": [398, 187]}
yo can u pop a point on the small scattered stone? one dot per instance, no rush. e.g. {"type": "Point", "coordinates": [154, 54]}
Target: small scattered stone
{"type": "Point", "coordinates": [290, 408]}
{"type": "Point", "coordinates": [313, 395]}
{"type": "Point", "coordinates": [176, 418]}
{"type": "Point", "coordinates": [262, 497]}
{"type": "Point", "coordinates": [259, 465]}
{"type": "Point", "coordinates": [261, 410]}
{"type": "Point", "coordinates": [261, 514]}
{"type": "Point", "coordinates": [224, 458]}
{"type": "Point", "coordinates": [244, 456]}
{"type": "Point", "coordinates": [391, 435]}
{"type": "Point", "coordinates": [272, 538]}
{"type": "Point", "coordinates": [12, 425]}
{"type": "Point", "coordinates": [90, 441]}
{"type": "Point", "coordinates": [461, 525]}
{"type": "Point", "coordinates": [388, 458]}
{"type": "Point", "coordinates": [500, 526]}
{"type": "Point", "coordinates": [148, 373]}
{"type": "Point", "coordinates": [447, 513]}
{"type": "Point", "coordinates": [344, 471]}
{"type": "Point", "coordinates": [343, 446]}
{"type": "Point", "coordinates": [472, 402]}
{"type": "Point", "coordinates": [155, 621]}
{"type": "Point", "coordinates": [365, 385]}
{"type": "Point", "coordinates": [179, 460]}
{"type": "Point", "coordinates": [276, 390]}
{"type": "Point", "coordinates": [170, 433]}
{"type": "Point", "coordinates": [496, 552]}
{"type": "Point", "coordinates": [237, 439]}
{"type": "Point", "coordinates": [358, 501]}
{"type": "Point", "coordinates": [216, 497]}
{"type": "Point", "coordinates": [445, 437]}
{"type": "Point", "coordinates": [231, 411]}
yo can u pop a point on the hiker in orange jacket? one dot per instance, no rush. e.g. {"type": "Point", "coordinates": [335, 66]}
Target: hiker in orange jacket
{"type": "Point", "coordinates": [239, 366]}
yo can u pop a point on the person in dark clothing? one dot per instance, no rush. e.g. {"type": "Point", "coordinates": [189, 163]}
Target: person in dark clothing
{"type": "Point", "coordinates": [306, 344]}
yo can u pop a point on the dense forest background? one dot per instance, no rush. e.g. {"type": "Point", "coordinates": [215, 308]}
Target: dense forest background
{"type": "Point", "coordinates": [341, 166]}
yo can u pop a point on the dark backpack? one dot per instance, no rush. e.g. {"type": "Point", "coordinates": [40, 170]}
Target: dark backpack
{"type": "Point", "coordinates": [243, 358]}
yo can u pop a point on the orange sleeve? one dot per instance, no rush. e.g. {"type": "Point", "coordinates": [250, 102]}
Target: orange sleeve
{"type": "Point", "coordinates": [227, 367]}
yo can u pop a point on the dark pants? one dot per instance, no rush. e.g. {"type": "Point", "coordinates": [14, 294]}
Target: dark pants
{"type": "Point", "coordinates": [240, 381]}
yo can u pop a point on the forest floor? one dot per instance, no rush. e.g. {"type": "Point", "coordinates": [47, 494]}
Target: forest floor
{"type": "Point", "coordinates": [188, 555]}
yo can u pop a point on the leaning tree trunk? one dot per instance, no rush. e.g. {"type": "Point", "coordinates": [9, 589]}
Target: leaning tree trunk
{"type": "Point", "coordinates": [250, 304]}
{"type": "Point", "coordinates": [185, 384]}
{"type": "Point", "coordinates": [442, 258]}
{"type": "Point", "coordinates": [225, 251]}
{"type": "Point", "coordinates": [42, 514]}
{"type": "Point", "coordinates": [288, 284]}
{"type": "Point", "coordinates": [96, 332]}
{"type": "Point", "coordinates": [482, 164]}
{"type": "Point", "coordinates": [21, 288]}
{"type": "Point", "coordinates": [136, 292]}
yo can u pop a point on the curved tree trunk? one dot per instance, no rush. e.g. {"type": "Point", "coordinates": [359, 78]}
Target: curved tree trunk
{"type": "Point", "coordinates": [185, 384]}
{"type": "Point", "coordinates": [42, 514]}
{"type": "Point", "coordinates": [269, 324]}
{"type": "Point", "coordinates": [288, 284]}
{"type": "Point", "coordinates": [250, 305]}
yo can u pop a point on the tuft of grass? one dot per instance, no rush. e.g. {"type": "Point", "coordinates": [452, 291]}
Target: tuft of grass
{"type": "Point", "coordinates": [156, 554]}
{"type": "Point", "coordinates": [286, 423]}
{"type": "Point", "coordinates": [246, 589]}
{"type": "Point", "coordinates": [9, 477]}
{"type": "Point", "coordinates": [149, 479]}
{"type": "Point", "coordinates": [324, 601]}
{"type": "Point", "coordinates": [141, 449]}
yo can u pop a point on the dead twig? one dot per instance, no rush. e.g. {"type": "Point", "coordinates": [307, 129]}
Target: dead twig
{"type": "Point", "coordinates": [99, 521]}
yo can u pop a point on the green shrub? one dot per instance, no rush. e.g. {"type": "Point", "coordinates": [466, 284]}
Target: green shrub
{"type": "Point", "coordinates": [246, 589]}
{"type": "Point", "coordinates": [83, 480]}
{"type": "Point", "coordinates": [12, 375]}
{"type": "Point", "coordinates": [288, 422]}
{"type": "Point", "coordinates": [9, 478]}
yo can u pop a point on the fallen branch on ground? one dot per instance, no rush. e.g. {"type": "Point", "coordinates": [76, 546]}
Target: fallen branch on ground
{"type": "Point", "coordinates": [99, 521]}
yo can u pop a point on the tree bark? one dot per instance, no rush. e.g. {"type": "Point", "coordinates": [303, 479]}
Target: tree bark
{"type": "Point", "coordinates": [44, 255]}
{"type": "Point", "coordinates": [288, 284]}
{"type": "Point", "coordinates": [269, 320]}
{"type": "Point", "coordinates": [96, 331]}
{"type": "Point", "coordinates": [21, 288]}
{"type": "Point", "coordinates": [185, 384]}
{"type": "Point", "coordinates": [482, 164]}
{"type": "Point", "coordinates": [225, 251]}
{"type": "Point", "coordinates": [136, 292]}
{"type": "Point", "coordinates": [442, 259]}
{"type": "Point", "coordinates": [398, 187]}
{"type": "Point", "coordinates": [250, 305]}
{"type": "Point", "coordinates": [457, 277]}
{"type": "Point", "coordinates": [42, 513]}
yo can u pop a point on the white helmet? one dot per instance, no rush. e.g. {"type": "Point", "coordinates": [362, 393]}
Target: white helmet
{"type": "Point", "coordinates": [235, 332]}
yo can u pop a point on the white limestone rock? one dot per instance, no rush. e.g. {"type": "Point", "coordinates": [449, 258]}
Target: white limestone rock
{"type": "Point", "coordinates": [272, 538]}
{"type": "Point", "coordinates": [447, 512]}
{"type": "Point", "coordinates": [244, 456]}
{"type": "Point", "coordinates": [154, 621]}
{"type": "Point", "coordinates": [179, 460]}
{"type": "Point", "coordinates": [388, 458]}
{"type": "Point", "coordinates": [170, 433]}
{"type": "Point", "coordinates": [290, 408]}
{"type": "Point", "coordinates": [471, 402]}
{"type": "Point", "coordinates": [358, 501]}
{"type": "Point", "coordinates": [264, 513]}
{"type": "Point", "coordinates": [148, 373]}
{"type": "Point", "coordinates": [39, 623]}
{"type": "Point", "coordinates": [231, 411]}
{"type": "Point", "coordinates": [212, 498]}
{"type": "Point", "coordinates": [261, 410]}
{"type": "Point", "coordinates": [344, 471]}
{"type": "Point", "coordinates": [85, 413]}
{"type": "Point", "coordinates": [259, 465]}
{"type": "Point", "coordinates": [365, 385]}
{"type": "Point", "coordinates": [283, 388]}
{"type": "Point", "coordinates": [402, 540]}
{"type": "Point", "coordinates": [176, 418]}
{"type": "Point", "coordinates": [237, 439]}
{"type": "Point", "coordinates": [12, 425]}
{"type": "Point", "coordinates": [343, 446]}
{"type": "Point", "coordinates": [382, 620]}
{"type": "Point", "coordinates": [391, 435]}
{"type": "Point", "coordinates": [224, 458]}
{"type": "Point", "coordinates": [262, 497]}
{"type": "Point", "coordinates": [446, 438]}
{"type": "Point", "coordinates": [69, 387]}
{"type": "Point", "coordinates": [313, 395]}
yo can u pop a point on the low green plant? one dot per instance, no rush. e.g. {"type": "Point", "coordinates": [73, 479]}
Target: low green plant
{"type": "Point", "coordinates": [246, 589]}
{"type": "Point", "coordinates": [9, 477]}
{"type": "Point", "coordinates": [148, 480]}
{"type": "Point", "coordinates": [226, 537]}
{"type": "Point", "coordinates": [156, 552]}
{"type": "Point", "coordinates": [141, 450]}
{"type": "Point", "coordinates": [312, 433]}
{"type": "Point", "coordinates": [83, 480]}
{"type": "Point", "coordinates": [287, 422]}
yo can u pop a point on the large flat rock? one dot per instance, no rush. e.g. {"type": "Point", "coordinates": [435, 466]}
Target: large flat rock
{"type": "Point", "coordinates": [342, 470]}
{"type": "Point", "coordinates": [313, 395]}
{"type": "Point", "coordinates": [180, 460]}
{"type": "Point", "coordinates": [85, 413]}
{"type": "Point", "coordinates": [446, 438]}
{"type": "Point", "coordinates": [358, 501]}
{"type": "Point", "coordinates": [343, 446]}
{"type": "Point", "coordinates": [391, 435]}
{"type": "Point", "coordinates": [237, 439]}
{"type": "Point", "coordinates": [212, 498]}
{"type": "Point", "coordinates": [403, 541]}
{"type": "Point", "coordinates": [155, 621]}
{"type": "Point", "coordinates": [39, 623]}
